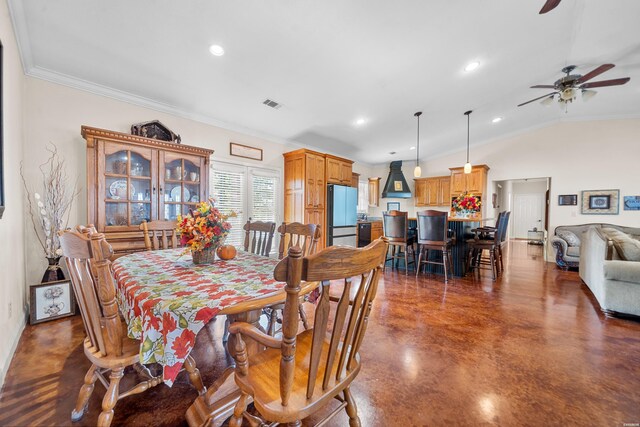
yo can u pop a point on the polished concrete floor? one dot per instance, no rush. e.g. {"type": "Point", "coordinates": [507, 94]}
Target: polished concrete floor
{"type": "Point", "coordinates": [531, 349]}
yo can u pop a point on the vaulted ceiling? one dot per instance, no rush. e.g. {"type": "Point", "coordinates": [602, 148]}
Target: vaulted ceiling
{"type": "Point", "coordinates": [331, 62]}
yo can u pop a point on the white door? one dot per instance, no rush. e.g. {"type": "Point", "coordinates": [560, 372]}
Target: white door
{"type": "Point", "coordinates": [527, 214]}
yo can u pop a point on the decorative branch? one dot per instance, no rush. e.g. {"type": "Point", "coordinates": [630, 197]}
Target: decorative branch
{"type": "Point", "coordinates": [54, 206]}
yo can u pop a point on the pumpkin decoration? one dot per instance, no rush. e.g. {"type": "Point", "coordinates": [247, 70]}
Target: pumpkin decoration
{"type": "Point", "coordinates": [226, 252]}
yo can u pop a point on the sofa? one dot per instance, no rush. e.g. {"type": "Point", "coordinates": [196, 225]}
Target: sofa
{"type": "Point", "coordinates": [610, 267]}
{"type": "Point", "coordinates": [567, 239]}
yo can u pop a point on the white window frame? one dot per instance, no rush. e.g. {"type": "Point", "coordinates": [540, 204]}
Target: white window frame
{"type": "Point", "coordinates": [250, 171]}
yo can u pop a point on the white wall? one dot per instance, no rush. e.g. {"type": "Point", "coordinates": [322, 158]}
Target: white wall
{"type": "Point", "coordinates": [12, 249]}
{"type": "Point", "coordinates": [594, 155]}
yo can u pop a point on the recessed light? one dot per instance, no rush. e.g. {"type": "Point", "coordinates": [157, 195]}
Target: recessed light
{"type": "Point", "coordinates": [496, 120]}
{"type": "Point", "coordinates": [361, 121]}
{"type": "Point", "coordinates": [472, 66]}
{"type": "Point", "coordinates": [412, 148]}
{"type": "Point", "coordinates": [216, 50]}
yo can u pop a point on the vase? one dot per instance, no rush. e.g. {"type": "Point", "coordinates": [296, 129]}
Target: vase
{"type": "Point", "coordinates": [205, 256]}
{"type": "Point", "coordinates": [53, 273]}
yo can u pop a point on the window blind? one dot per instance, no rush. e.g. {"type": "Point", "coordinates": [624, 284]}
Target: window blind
{"type": "Point", "coordinates": [363, 196]}
{"type": "Point", "coordinates": [263, 195]}
{"type": "Point", "coordinates": [228, 187]}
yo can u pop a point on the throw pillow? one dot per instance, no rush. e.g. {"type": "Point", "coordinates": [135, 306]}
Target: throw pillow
{"type": "Point", "coordinates": [628, 248]}
{"type": "Point", "coordinates": [570, 237]}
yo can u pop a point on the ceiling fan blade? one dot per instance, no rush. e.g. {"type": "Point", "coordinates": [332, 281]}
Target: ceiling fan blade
{"type": "Point", "coordinates": [543, 87]}
{"type": "Point", "coordinates": [549, 5]}
{"type": "Point", "coordinates": [601, 69]}
{"type": "Point", "coordinates": [602, 83]}
{"type": "Point", "coordinates": [535, 99]}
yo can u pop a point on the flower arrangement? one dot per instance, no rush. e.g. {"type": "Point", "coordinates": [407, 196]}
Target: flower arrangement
{"type": "Point", "coordinates": [203, 228]}
{"type": "Point", "coordinates": [466, 204]}
{"type": "Point", "coordinates": [49, 212]}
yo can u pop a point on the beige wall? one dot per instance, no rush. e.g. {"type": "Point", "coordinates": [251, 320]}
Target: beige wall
{"type": "Point", "coordinates": [594, 155]}
{"type": "Point", "coordinates": [54, 114]}
{"type": "Point", "coordinates": [12, 282]}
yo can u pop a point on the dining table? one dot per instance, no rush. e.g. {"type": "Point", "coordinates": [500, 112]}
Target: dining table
{"type": "Point", "coordinates": [166, 300]}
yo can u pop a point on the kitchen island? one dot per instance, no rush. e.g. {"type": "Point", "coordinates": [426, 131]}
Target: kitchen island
{"type": "Point", "coordinates": [461, 228]}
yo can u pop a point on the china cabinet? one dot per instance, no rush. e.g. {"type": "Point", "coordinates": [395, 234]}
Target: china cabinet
{"type": "Point", "coordinates": [131, 179]}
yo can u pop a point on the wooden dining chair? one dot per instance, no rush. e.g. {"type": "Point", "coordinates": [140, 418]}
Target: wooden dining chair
{"type": "Point", "coordinates": [395, 225]}
{"type": "Point", "coordinates": [258, 237]}
{"type": "Point", "coordinates": [306, 237]}
{"type": "Point", "coordinates": [159, 235]}
{"type": "Point", "coordinates": [107, 345]}
{"type": "Point", "coordinates": [300, 373]}
{"type": "Point", "coordinates": [433, 234]}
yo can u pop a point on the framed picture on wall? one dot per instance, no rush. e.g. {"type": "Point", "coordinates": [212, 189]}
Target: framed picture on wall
{"type": "Point", "coordinates": [568, 200]}
{"type": "Point", "coordinates": [393, 206]}
{"type": "Point", "coordinates": [600, 202]}
{"type": "Point", "coordinates": [632, 203]}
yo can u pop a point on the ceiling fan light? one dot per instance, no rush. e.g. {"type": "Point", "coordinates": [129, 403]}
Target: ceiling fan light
{"type": "Point", "coordinates": [568, 94]}
{"type": "Point", "coordinates": [467, 167]}
{"type": "Point", "coordinates": [417, 172]}
{"type": "Point", "coordinates": [587, 94]}
{"type": "Point", "coordinates": [547, 101]}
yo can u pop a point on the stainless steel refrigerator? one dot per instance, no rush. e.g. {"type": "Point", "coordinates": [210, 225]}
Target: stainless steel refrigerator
{"type": "Point", "coordinates": [341, 215]}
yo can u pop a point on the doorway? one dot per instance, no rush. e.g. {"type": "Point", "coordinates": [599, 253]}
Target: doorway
{"type": "Point", "coordinates": [528, 201]}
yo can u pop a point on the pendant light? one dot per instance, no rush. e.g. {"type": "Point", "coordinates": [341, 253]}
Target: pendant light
{"type": "Point", "coordinates": [467, 166]}
{"type": "Point", "coordinates": [417, 172]}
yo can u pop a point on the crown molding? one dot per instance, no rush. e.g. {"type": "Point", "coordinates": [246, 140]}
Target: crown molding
{"type": "Point", "coordinates": [16, 12]}
{"type": "Point", "coordinates": [119, 95]}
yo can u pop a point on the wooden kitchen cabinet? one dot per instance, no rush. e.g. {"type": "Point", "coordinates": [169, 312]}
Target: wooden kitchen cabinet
{"type": "Point", "coordinates": [305, 189]}
{"type": "Point", "coordinates": [374, 192]}
{"type": "Point", "coordinates": [474, 182]}
{"type": "Point", "coordinates": [339, 170]}
{"type": "Point", "coordinates": [376, 230]}
{"type": "Point", "coordinates": [355, 180]}
{"type": "Point", "coordinates": [131, 179]}
{"type": "Point", "coordinates": [433, 191]}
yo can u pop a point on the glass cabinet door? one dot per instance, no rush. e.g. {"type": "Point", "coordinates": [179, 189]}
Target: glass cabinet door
{"type": "Point", "coordinates": [127, 188]}
{"type": "Point", "coordinates": [181, 187]}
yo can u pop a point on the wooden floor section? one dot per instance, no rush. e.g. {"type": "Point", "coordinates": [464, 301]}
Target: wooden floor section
{"type": "Point", "coordinates": [531, 349]}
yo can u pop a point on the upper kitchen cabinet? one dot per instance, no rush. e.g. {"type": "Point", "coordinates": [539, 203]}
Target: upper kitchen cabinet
{"type": "Point", "coordinates": [474, 182]}
{"type": "Point", "coordinates": [433, 191]}
{"type": "Point", "coordinates": [339, 170]}
{"type": "Point", "coordinates": [131, 179]}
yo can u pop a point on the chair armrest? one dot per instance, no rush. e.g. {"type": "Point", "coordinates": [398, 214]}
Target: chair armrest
{"type": "Point", "coordinates": [251, 331]}
{"type": "Point", "coordinates": [560, 244]}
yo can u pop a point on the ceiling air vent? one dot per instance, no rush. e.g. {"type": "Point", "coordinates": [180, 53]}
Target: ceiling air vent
{"type": "Point", "coordinates": [272, 104]}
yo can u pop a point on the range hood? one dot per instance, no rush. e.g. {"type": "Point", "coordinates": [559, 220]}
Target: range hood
{"type": "Point", "coordinates": [396, 186]}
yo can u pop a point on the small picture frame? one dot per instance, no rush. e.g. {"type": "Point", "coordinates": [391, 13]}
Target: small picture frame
{"type": "Point", "coordinates": [632, 203]}
{"type": "Point", "coordinates": [393, 206]}
{"type": "Point", "coordinates": [245, 151]}
{"type": "Point", "coordinates": [600, 202]}
{"type": "Point", "coordinates": [568, 200]}
{"type": "Point", "coordinates": [51, 300]}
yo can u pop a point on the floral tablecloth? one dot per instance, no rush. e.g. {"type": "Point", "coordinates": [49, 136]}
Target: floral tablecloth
{"type": "Point", "coordinates": [166, 299]}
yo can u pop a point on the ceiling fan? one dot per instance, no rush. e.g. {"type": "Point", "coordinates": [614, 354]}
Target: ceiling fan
{"type": "Point", "coordinates": [549, 6]}
{"type": "Point", "coordinates": [567, 87]}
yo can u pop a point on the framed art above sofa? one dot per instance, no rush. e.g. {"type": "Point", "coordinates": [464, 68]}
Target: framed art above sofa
{"type": "Point", "coordinates": [600, 202]}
